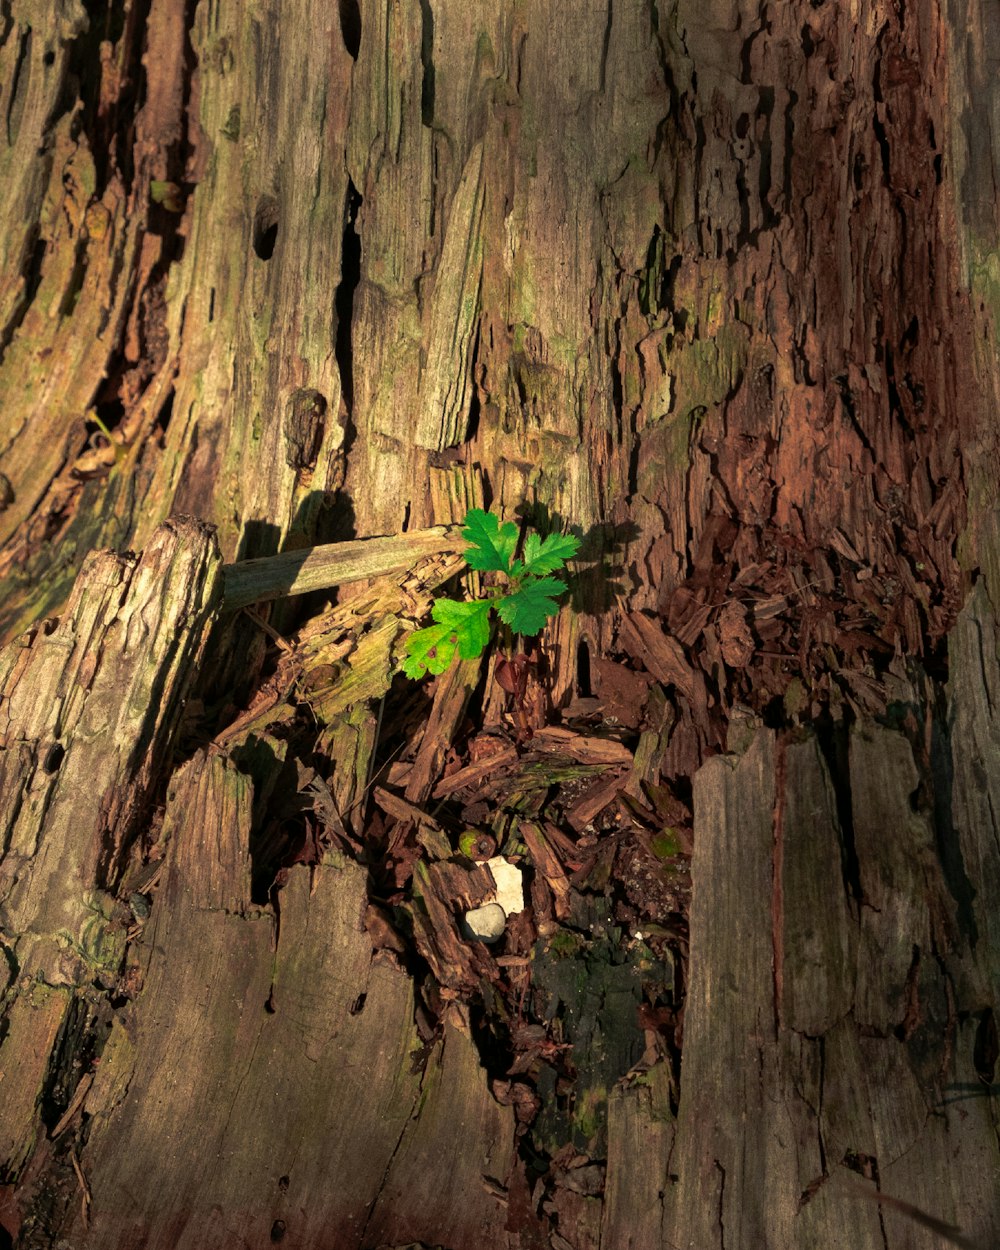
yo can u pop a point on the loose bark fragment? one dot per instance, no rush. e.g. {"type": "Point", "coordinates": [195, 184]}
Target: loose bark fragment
{"type": "Point", "coordinates": [442, 892]}
{"type": "Point", "coordinates": [394, 805]}
{"type": "Point", "coordinates": [586, 749]}
{"type": "Point", "coordinates": [467, 778]}
{"type": "Point", "coordinates": [451, 695]}
{"type": "Point", "coordinates": [662, 656]}
{"type": "Point", "coordinates": [594, 800]}
{"type": "Point", "coordinates": [547, 862]}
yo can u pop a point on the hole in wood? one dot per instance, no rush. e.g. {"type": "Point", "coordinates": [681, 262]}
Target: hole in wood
{"type": "Point", "coordinates": [986, 1049]}
{"type": "Point", "coordinates": [427, 62]}
{"type": "Point", "coordinates": [265, 228]}
{"type": "Point", "coordinates": [53, 758]}
{"type": "Point", "coordinates": [350, 276]}
{"type": "Point", "coordinates": [166, 411]}
{"type": "Point", "coordinates": [583, 671]}
{"type": "Point", "coordinates": [350, 26]}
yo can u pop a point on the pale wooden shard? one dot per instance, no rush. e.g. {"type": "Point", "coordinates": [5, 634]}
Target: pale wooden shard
{"type": "Point", "coordinates": [332, 564]}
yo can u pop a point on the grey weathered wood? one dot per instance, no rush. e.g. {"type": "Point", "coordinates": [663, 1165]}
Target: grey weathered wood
{"type": "Point", "coordinates": [330, 565]}
{"type": "Point", "coordinates": [732, 1173]}
{"type": "Point", "coordinates": [640, 1141]}
{"type": "Point", "coordinates": [973, 777]}
{"type": "Point", "coordinates": [816, 957]}
{"type": "Point", "coordinates": [837, 1016]}
{"type": "Point", "coordinates": [249, 1040]}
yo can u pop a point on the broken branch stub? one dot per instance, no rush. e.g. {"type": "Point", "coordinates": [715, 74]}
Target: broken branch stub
{"type": "Point", "coordinates": [331, 564]}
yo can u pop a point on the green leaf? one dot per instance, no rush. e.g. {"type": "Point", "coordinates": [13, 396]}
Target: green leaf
{"type": "Point", "coordinates": [493, 543]}
{"type": "Point", "coordinates": [429, 650]}
{"type": "Point", "coordinates": [464, 627]}
{"type": "Point", "coordinates": [531, 605]}
{"type": "Point", "coordinates": [545, 556]}
{"type": "Point", "coordinates": [470, 622]}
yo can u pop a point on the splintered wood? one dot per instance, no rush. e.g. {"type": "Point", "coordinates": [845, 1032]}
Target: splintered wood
{"type": "Point", "coordinates": [826, 1004]}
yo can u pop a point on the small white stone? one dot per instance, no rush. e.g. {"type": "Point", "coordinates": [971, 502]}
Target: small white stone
{"type": "Point", "coordinates": [509, 883]}
{"type": "Point", "coordinates": [486, 923]}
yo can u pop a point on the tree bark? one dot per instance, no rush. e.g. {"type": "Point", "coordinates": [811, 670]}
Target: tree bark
{"type": "Point", "coordinates": [715, 286]}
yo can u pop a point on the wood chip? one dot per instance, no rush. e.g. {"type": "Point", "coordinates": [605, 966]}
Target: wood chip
{"type": "Point", "coordinates": [470, 776]}
{"type": "Point", "coordinates": [401, 809]}
{"type": "Point", "coordinates": [585, 748]}
{"type": "Point", "coordinates": [594, 800]}
{"type": "Point", "coordinates": [85, 1195]}
{"type": "Point", "coordinates": [547, 862]}
{"type": "Point", "coordinates": [664, 657]}
{"type": "Point", "coordinates": [75, 1104]}
{"type": "Point", "coordinates": [736, 641]}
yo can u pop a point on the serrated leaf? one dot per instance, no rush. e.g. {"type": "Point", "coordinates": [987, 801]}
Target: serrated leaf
{"type": "Point", "coordinates": [470, 622]}
{"type": "Point", "coordinates": [548, 554]}
{"type": "Point", "coordinates": [429, 650]}
{"type": "Point", "coordinates": [461, 627]}
{"type": "Point", "coordinates": [493, 543]}
{"type": "Point", "coordinates": [531, 605]}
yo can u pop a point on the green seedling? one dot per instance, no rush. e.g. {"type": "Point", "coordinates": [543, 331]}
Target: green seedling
{"type": "Point", "coordinates": [524, 600]}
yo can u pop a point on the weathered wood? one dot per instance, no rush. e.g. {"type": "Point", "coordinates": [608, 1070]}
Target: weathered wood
{"type": "Point", "coordinates": [226, 1041]}
{"type": "Point", "coordinates": [89, 708]}
{"type": "Point", "coordinates": [835, 1006]}
{"type": "Point", "coordinates": [330, 565]}
{"type": "Point", "coordinates": [248, 1040]}
{"type": "Point", "coordinates": [717, 285]}
{"type": "Point", "coordinates": [640, 1142]}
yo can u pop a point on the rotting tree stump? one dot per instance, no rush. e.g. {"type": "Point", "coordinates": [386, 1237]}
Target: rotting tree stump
{"type": "Point", "coordinates": [219, 1072]}
{"type": "Point", "coordinates": [715, 284]}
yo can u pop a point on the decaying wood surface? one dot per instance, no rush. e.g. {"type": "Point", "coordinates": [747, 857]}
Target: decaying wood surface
{"type": "Point", "coordinates": [698, 282]}
{"type": "Point", "coordinates": [329, 566]}
{"type": "Point", "coordinates": [90, 707]}
{"type": "Point", "coordinates": [262, 1036]}
{"type": "Point", "coordinates": [843, 990]}
{"type": "Point", "coordinates": [241, 1003]}
{"type": "Point", "coordinates": [841, 996]}
{"type": "Point", "coordinates": [716, 285]}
